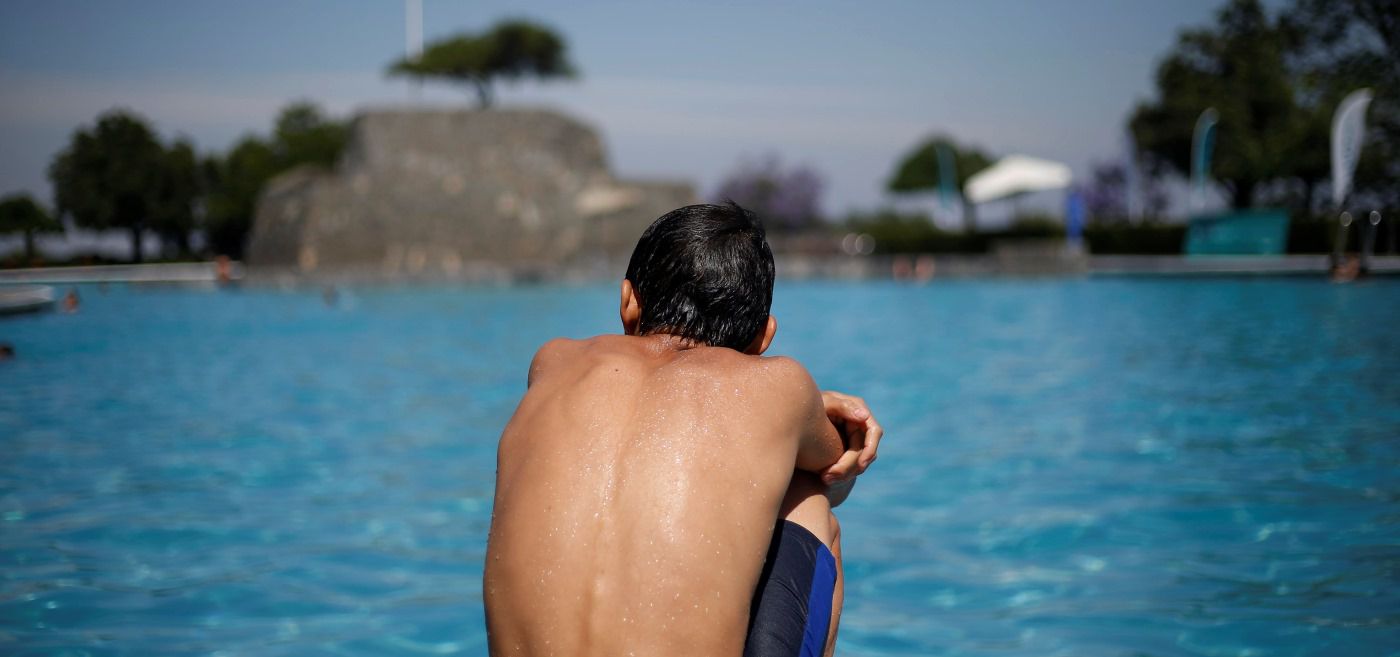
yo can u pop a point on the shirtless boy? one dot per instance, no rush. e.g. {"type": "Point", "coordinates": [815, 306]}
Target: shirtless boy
{"type": "Point", "coordinates": [639, 482]}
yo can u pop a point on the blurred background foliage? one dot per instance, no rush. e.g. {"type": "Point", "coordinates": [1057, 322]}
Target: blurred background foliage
{"type": "Point", "coordinates": [1276, 82]}
{"type": "Point", "coordinates": [302, 136]}
{"type": "Point", "coordinates": [118, 175]}
{"type": "Point", "coordinates": [1274, 76]}
{"type": "Point", "coordinates": [787, 198]}
{"type": "Point", "coordinates": [920, 170]}
{"type": "Point", "coordinates": [21, 214]}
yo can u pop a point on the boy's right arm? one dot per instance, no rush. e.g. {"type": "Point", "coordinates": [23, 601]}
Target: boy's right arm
{"type": "Point", "coordinates": [819, 444]}
{"type": "Point", "coordinates": [839, 436]}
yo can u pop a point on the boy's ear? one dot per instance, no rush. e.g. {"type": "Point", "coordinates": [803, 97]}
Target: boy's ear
{"type": "Point", "coordinates": [629, 310]}
{"type": "Point", "coordinates": [764, 338]}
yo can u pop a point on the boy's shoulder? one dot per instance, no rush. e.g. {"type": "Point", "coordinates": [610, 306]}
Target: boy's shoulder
{"type": "Point", "coordinates": [555, 352]}
{"type": "Point", "coordinates": [764, 370]}
{"type": "Point", "coordinates": [573, 347]}
{"type": "Point", "coordinates": [562, 353]}
{"type": "Point", "coordinates": [762, 375]}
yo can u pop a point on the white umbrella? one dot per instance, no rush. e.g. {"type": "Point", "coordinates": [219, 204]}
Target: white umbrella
{"type": "Point", "coordinates": [1016, 174]}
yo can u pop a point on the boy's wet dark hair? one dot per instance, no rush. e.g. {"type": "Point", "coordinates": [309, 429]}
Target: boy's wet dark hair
{"type": "Point", "coordinates": [704, 272]}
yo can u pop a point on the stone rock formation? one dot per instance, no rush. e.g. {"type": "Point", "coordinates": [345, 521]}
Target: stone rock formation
{"type": "Point", "coordinates": [493, 193]}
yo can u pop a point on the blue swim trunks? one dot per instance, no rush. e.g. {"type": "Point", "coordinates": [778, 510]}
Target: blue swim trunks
{"type": "Point", "coordinates": [791, 609]}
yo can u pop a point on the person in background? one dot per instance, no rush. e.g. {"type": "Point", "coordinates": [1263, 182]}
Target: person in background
{"type": "Point", "coordinates": [71, 301]}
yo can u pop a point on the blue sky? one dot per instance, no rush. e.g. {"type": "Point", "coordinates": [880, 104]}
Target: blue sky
{"type": "Point", "coordinates": [679, 89]}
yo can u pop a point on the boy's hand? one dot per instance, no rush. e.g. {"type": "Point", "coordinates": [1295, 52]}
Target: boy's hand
{"type": "Point", "coordinates": [859, 430]}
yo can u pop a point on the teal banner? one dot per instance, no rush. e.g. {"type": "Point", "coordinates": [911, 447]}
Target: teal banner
{"type": "Point", "coordinates": [947, 175]}
{"type": "Point", "coordinates": [1202, 144]}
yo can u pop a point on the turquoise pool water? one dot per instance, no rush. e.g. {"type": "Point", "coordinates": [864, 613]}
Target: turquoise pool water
{"type": "Point", "coordinates": [1073, 467]}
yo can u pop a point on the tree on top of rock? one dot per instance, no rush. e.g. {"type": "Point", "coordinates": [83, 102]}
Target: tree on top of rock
{"type": "Point", "coordinates": [510, 50]}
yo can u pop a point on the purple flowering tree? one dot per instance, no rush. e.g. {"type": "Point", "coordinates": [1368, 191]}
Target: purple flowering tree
{"type": "Point", "coordinates": [787, 199]}
{"type": "Point", "coordinates": [1106, 196]}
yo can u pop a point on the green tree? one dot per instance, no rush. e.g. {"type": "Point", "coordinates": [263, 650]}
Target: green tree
{"type": "Point", "coordinates": [919, 171]}
{"type": "Point", "coordinates": [510, 50]}
{"type": "Point", "coordinates": [301, 135]}
{"type": "Point", "coordinates": [110, 176]}
{"type": "Point", "coordinates": [1341, 46]}
{"type": "Point", "coordinates": [172, 214]}
{"type": "Point", "coordinates": [19, 213]}
{"type": "Point", "coordinates": [235, 181]}
{"type": "Point", "coordinates": [1239, 67]}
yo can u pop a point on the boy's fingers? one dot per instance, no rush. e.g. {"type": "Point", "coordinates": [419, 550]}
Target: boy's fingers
{"type": "Point", "coordinates": [859, 429]}
{"type": "Point", "coordinates": [854, 435]}
{"type": "Point", "coordinates": [845, 410]}
{"type": "Point", "coordinates": [841, 469]}
{"type": "Point", "coordinates": [845, 406]}
{"type": "Point", "coordinates": [857, 408]}
{"type": "Point", "coordinates": [873, 433]}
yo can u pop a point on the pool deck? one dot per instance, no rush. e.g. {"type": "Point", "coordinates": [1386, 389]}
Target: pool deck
{"type": "Point", "coordinates": [1289, 265]}
{"type": "Point", "coordinates": [933, 267]}
{"type": "Point", "coordinates": [790, 266]}
{"type": "Point", "coordinates": [178, 272]}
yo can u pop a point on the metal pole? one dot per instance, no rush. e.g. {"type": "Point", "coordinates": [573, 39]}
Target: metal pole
{"type": "Point", "coordinates": [1368, 241]}
{"type": "Point", "coordinates": [413, 38]}
{"type": "Point", "coordinates": [1339, 246]}
{"type": "Point", "coordinates": [1390, 237]}
{"type": "Point", "coordinates": [413, 28]}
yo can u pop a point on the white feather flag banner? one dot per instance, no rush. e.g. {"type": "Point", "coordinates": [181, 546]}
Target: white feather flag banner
{"type": "Point", "coordinates": [1348, 131]}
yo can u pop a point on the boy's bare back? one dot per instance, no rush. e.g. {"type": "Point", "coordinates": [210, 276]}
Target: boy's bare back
{"type": "Point", "coordinates": [637, 487]}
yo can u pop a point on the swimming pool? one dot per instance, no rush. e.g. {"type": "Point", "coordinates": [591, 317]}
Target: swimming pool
{"type": "Point", "coordinates": [1073, 467]}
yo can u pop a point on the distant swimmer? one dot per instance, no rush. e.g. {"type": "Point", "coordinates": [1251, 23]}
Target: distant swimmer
{"type": "Point", "coordinates": [668, 491]}
{"type": "Point", "coordinates": [7, 351]}
{"type": "Point", "coordinates": [71, 301]}
{"type": "Point", "coordinates": [222, 270]}
{"type": "Point", "coordinates": [1347, 270]}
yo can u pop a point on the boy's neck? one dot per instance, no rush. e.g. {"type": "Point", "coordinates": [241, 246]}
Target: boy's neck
{"type": "Point", "coordinates": [671, 342]}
